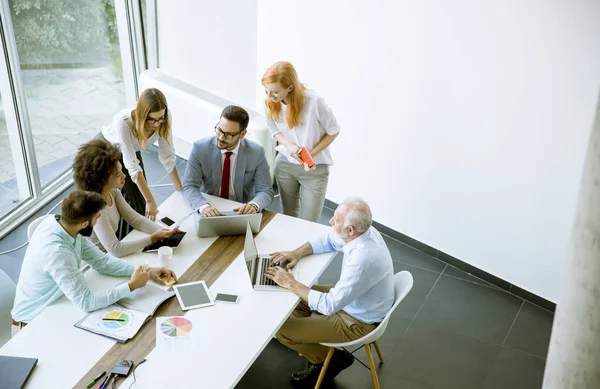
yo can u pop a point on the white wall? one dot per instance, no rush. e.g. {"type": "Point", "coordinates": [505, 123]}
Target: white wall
{"type": "Point", "coordinates": [464, 123]}
{"type": "Point", "coordinates": [210, 44]}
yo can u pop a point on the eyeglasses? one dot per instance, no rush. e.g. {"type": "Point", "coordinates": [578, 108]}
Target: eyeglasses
{"type": "Point", "coordinates": [227, 135]}
{"type": "Point", "coordinates": [163, 119]}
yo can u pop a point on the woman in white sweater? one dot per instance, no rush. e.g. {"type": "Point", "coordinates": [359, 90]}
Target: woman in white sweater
{"type": "Point", "coordinates": [133, 128]}
{"type": "Point", "coordinates": [97, 168]}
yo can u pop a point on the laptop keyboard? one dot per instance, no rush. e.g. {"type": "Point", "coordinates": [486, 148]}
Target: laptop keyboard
{"type": "Point", "coordinates": [266, 262]}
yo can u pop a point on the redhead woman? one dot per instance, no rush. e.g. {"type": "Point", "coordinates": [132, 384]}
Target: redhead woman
{"type": "Point", "coordinates": [133, 128]}
{"type": "Point", "coordinates": [298, 117]}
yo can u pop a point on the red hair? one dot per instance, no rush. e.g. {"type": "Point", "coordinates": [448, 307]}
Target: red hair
{"type": "Point", "coordinates": [284, 74]}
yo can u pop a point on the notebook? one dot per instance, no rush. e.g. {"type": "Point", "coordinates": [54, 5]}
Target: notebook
{"type": "Point", "coordinates": [121, 321]}
{"type": "Point", "coordinates": [15, 371]}
{"type": "Point", "coordinates": [306, 157]}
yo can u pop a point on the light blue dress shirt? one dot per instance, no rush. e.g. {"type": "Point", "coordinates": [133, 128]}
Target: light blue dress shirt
{"type": "Point", "coordinates": [51, 268]}
{"type": "Point", "coordinates": [365, 290]}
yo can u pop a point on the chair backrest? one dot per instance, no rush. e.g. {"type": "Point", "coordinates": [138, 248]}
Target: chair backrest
{"type": "Point", "coordinates": [7, 299]}
{"type": "Point", "coordinates": [34, 224]}
{"type": "Point", "coordinates": [403, 283]}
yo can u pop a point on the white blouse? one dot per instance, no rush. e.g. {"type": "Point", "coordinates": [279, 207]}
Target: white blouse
{"type": "Point", "coordinates": [317, 120]}
{"type": "Point", "coordinates": [104, 235]}
{"type": "Point", "coordinates": [120, 131]}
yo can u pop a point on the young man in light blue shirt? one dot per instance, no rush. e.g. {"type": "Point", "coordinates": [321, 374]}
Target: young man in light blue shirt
{"type": "Point", "coordinates": [344, 312]}
{"type": "Point", "coordinates": [51, 266]}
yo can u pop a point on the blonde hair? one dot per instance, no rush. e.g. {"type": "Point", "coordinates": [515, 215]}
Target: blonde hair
{"type": "Point", "coordinates": [151, 100]}
{"type": "Point", "coordinates": [285, 75]}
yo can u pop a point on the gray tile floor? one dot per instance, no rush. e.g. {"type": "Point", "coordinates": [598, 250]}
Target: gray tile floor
{"type": "Point", "coordinates": [453, 330]}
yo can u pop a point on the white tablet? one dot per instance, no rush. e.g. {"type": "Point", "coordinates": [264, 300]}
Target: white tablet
{"type": "Point", "coordinates": [193, 295]}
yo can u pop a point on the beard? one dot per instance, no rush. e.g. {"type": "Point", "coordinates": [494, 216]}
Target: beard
{"type": "Point", "coordinates": [87, 231]}
{"type": "Point", "coordinates": [343, 234]}
{"type": "Point", "coordinates": [224, 146]}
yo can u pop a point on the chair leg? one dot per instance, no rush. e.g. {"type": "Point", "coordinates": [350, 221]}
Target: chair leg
{"type": "Point", "coordinates": [356, 359]}
{"type": "Point", "coordinates": [379, 354]}
{"type": "Point", "coordinates": [324, 368]}
{"type": "Point", "coordinates": [372, 363]}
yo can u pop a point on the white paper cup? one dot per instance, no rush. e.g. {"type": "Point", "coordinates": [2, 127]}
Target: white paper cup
{"type": "Point", "coordinates": [165, 255]}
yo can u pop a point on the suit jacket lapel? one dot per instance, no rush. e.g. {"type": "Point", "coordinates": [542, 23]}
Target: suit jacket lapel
{"type": "Point", "coordinates": [240, 169]}
{"type": "Point", "coordinates": [217, 168]}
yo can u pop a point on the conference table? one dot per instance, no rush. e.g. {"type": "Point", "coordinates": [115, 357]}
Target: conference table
{"type": "Point", "coordinates": [228, 337]}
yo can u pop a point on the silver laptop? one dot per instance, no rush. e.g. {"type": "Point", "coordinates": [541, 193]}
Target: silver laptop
{"type": "Point", "coordinates": [230, 224]}
{"type": "Point", "coordinates": [257, 264]}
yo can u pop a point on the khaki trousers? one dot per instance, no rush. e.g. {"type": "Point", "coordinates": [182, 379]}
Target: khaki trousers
{"type": "Point", "coordinates": [302, 193]}
{"type": "Point", "coordinates": [305, 329]}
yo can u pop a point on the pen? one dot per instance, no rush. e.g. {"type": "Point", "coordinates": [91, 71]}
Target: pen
{"type": "Point", "coordinates": [92, 382]}
{"type": "Point", "coordinates": [112, 382]}
{"type": "Point", "coordinates": [108, 379]}
{"type": "Point", "coordinates": [112, 319]}
{"type": "Point", "coordinates": [103, 382]}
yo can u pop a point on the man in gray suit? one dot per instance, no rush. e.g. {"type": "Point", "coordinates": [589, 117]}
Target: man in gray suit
{"type": "Point", "coordinates": [228, 166]}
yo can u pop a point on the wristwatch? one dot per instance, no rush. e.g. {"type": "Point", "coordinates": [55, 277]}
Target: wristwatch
{"type": "Point", "coordinates": [255, 207]}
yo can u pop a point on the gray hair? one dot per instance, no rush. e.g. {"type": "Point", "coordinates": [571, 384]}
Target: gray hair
{"type": "Point", "coordinates": [358, 214]}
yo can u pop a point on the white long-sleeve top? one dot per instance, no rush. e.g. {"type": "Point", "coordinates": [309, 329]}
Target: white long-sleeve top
{"type": "Point", "coordinates": [105, 236]}
{"type": "Point", "coordinates": [120, 132]}
{"type": "Point", "coordinates": [317, 120]}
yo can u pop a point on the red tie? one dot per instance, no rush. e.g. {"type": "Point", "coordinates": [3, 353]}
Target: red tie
{"type": "Point", "coordinates": [226, 174]}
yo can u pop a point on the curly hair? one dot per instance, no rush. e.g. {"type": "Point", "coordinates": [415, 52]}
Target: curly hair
{"type": "Point", "coordinates": [95, 161]}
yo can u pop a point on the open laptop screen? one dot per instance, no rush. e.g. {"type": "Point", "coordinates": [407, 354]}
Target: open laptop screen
{"type": "Point", "coordinates": [250, 253]}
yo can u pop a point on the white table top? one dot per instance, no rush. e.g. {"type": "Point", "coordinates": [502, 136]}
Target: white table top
{"type": "Point", "coordinates": [235, 333]}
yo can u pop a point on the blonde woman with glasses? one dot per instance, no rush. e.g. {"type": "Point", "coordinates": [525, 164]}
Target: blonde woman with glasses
{"type": "Point", "coordinates": [134, 128]}
{"type": "Point", "coordinates": [298, 117]}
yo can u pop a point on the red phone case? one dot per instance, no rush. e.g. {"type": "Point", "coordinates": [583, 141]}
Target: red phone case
{"type": "Point", "coordinates": [306, 157]}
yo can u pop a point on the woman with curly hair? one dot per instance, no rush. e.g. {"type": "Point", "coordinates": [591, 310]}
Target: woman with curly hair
{"type": "Point", "coordinates": [134, 128]}
{"type": "Point", "coordinates": [97, 168]}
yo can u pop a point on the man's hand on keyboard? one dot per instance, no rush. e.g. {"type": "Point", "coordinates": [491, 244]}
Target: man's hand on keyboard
{"type": "Point", "coordinates": [282, 277]}
{"type": "Point", "coordinates": [286, 259]}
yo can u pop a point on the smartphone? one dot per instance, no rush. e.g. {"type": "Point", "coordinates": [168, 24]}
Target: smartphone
{"type": "Point", "coordinates": [227, 298]}
{"type": "Point", "coordinates": [167, 221]}
{"type": "Point", "coordinates": [122, 367]}
{"type": "Point", "coordinates": [306, 157]}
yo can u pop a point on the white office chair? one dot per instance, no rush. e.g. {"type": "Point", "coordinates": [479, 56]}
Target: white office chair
{"type": "Point", "coordinates": [7, 299]}
{"type": "Point", "coordinates": [403, 282]}
{"type": "Point", "coordinates": [34, 224]}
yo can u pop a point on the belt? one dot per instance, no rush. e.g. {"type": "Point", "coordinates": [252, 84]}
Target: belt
{"type": "Point", "coordinates": [19, 324]}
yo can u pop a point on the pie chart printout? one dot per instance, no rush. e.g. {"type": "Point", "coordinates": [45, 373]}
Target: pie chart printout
{"type": "Point", "coordinates": [176, 327]}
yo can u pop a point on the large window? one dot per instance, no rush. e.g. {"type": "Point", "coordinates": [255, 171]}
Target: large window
{"type": "Point", "coordinates": [70, 66]}
{"type": "Point", "coordinates": [12, 191]}
{"type": "Point", "coordinates": [71, 71]}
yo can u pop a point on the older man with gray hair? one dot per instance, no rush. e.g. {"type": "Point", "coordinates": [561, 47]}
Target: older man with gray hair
{"type": "Point", "coordinates": [344, 312]}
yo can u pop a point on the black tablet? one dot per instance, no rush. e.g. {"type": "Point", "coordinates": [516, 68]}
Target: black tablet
{"type": "Point", "coordinates": [173, 241]}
